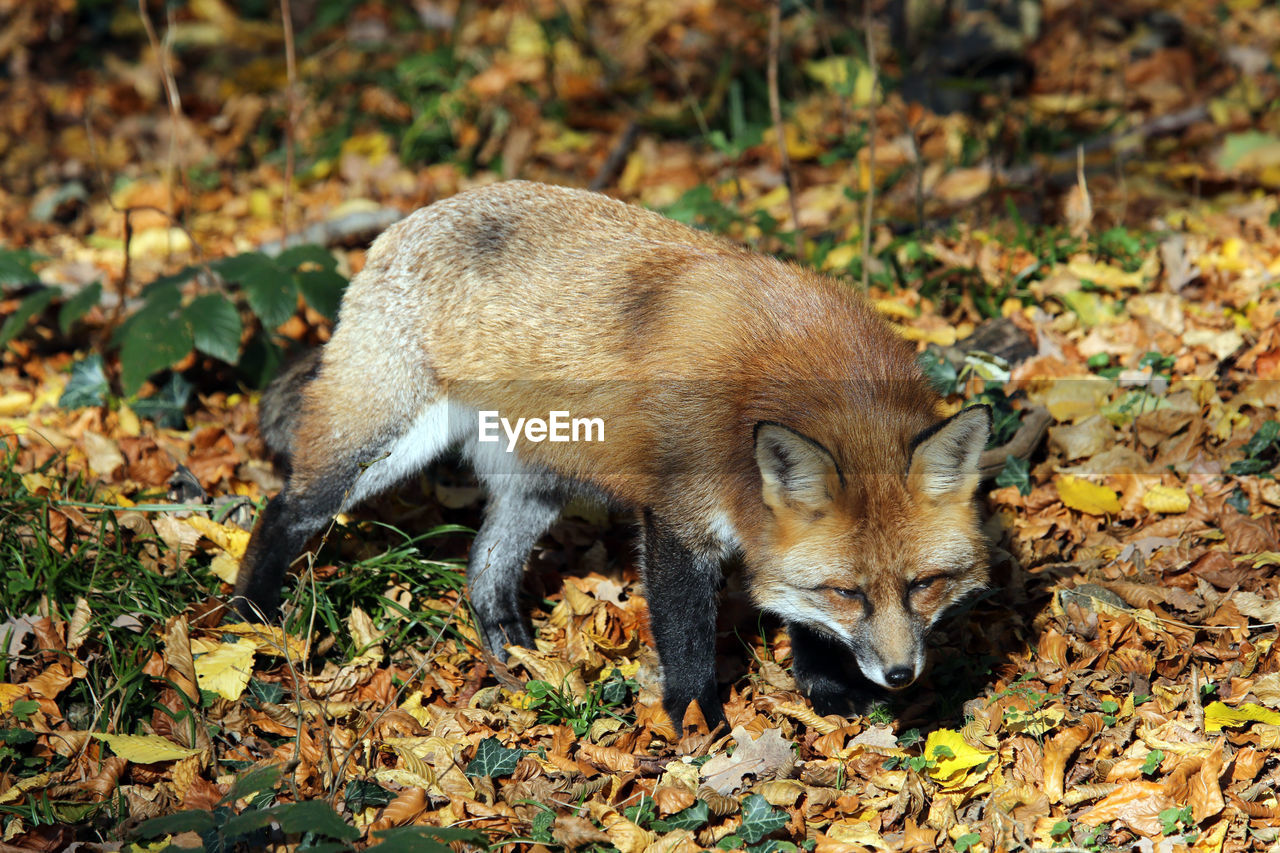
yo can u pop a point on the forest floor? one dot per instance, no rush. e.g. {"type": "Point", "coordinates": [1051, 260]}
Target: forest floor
{"type": "Point", "coordinates": [1102, 212]}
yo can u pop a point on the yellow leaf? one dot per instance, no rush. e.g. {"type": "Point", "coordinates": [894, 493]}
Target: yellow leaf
{"type": "Point", "coordinates": [226, 668]}
{"type": "Point", "coordinates": [228, 537]}
{"type": "Point", "coordinates": [840, 257]}
{"type": "Point", "coordinates": [963, 757]}
{"type": "Point", "coordinates": [1166, 499]}
{"type": "Point", "coordinates": [1263, 558]}
{"type": "Point", "coordinates": [894, 308]}
{"type": "Point", "coordinates": [226, 567]}
{"type": "Point", "coordinates": [371, 146]}
{"type": "Point", "coordinates": [943, 337]}
{"type": "Point", "coordinates": [1104, 275]}
{"type": "Point", "coordinates": [130, 426]}
{"type": "Point", "coordinates": [1086, 497]}
{"type": "Point", "coordinates": [33, 482]}
{"type": "Point", "coordinates": [1034, 723]}
{"type": "Point", "coordinates": [1219, 715]}
{"type": "Point", "coordinates": [144, 749]}
{"type": "Point", "coordinates": [16, 403]}
{"type": "Point", "coordinates": [269, 639]}
{"type": "Point", "coordinates": [10, 692]}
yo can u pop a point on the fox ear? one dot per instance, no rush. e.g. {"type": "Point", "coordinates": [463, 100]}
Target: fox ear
{"type": "Point", "coordinates": [795, 469]}
{"type": "Point", "coordinates": [944, 458]}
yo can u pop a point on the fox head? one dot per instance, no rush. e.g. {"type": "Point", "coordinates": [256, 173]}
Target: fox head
{"type": "Point", "coordinates": [871, 561]}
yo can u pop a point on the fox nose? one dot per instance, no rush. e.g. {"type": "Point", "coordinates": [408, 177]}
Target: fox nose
{"type": "Point", "coordinates": [899, 676]}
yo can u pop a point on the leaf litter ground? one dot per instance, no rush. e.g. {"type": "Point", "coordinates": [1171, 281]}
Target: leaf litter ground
{"type": "Point", "coordinates": [1119, 687]}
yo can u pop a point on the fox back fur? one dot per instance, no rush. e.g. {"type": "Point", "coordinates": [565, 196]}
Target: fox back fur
{"type": "Point", "coordinates": [753, 409]}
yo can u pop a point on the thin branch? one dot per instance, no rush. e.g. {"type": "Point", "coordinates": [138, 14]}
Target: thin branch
{"type": "Point", "coordinates": [174, 100]}
{"type": "Point", "coordinates": [775, 108]}
{"type": "Point", "coordinates": [291, 118]}
{"type": "Point", "coordinates": [870, 198]}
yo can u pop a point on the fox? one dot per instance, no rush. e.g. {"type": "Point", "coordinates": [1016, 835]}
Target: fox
{"type": "Point", "coordinates": [756, 414]}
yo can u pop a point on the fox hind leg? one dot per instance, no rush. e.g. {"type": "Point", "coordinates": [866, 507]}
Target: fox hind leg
{"type": "Point", "coordinates": [520, 508]}
{"type": "Point", "coordinates": [338, 460]}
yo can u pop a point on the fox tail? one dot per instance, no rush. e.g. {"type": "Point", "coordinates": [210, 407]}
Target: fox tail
{"type": "Point", "coordinates": [281, 405]}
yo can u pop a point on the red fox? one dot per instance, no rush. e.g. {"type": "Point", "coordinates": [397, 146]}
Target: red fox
{"type": "Point", "coordinates": [751, 410]}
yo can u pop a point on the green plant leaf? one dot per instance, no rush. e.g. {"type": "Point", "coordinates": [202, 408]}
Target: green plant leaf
{"type": "Point", "coordinates": [172, 824]}
{"type": "Point", "coordinates": [296, 256]}
{"type": "Point", "coordinates": [493, 759]}
{"type": "Point", "coordinates": [78, 305]}
{"type": "Point", "coordinates": [152, 346]}
{"type": "Point", "coordinates": [87, 386]}
{"type": "Point", "coordinates": [269, 287]}
{"type": "Point", "coordinates": [759, 818]}
{"type": "Point", "coordinates": [315, 816]}
{"type": "Point", "coordinates": [273, 296]}
{"type": "Point", "coordinates": [215, 324]}
{"type": "Point", "coordinates": [966, 841]}
{"type": "Point", "coordinates": [15, 266]}
{"type": "Point", "coordinates": [254, 782]}
{"type": "Point", "coordinates": [426, 839]}
{"type": "Point", "coordinates": [323, 290]}
{"type": "Point", "coordinates": [31, 306]}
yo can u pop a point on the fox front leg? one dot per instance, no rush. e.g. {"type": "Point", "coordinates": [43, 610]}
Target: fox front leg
{"type": "Point", "coordinates": [826, 672]}
{"type": "Point", "coordinates": [681, 586]}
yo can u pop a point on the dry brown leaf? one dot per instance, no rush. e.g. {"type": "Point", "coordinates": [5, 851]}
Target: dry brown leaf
{"type": "Point", "coordinates": [762, 757]}
{"type": "Point", "coordinates": [407, 805]}
{"type": "Point", "coordinates": [1135, 804]}
{"type": "Point", "coordinates": [1060, 748]}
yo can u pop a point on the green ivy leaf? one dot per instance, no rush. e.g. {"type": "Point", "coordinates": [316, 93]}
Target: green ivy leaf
{"type": "Point", "coordinates": [30, 307]}
{"type": "Point", "coordinates": [942, 374]}
{"type": "Point", "coordinates": [966, 841]}
{"type": "Point", "coordinates": [759, 818]}
{"type": "Point", "coordinates": [493, 759]}
{"type": "Point", "coordinates": [693, 818]}
{"type": "Point", "coordinates": [1016, 472]}
{"type": "Point", "coordinates": [772, 845]}
{"type": "Point", "coordinates": [78, 305]}
{"type": "Point", "coordinates": [323, 290]}
{"type": "Point", "coordinates": [215, 323]}
{"type": "Point", "coordinates": [361, 794]}
{"type": "Point", "coordinates": [87, 386]}
{"type": "Point", "coordinates": [166, 408]}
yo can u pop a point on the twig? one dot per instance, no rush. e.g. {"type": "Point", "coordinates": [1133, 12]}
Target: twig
{"type": "Point", "coordinates": [1021, 446]}
{"type": "Point", "coordinates": [775, 109]}
{"type": "Point", "coordinates": [291, 117]}
{"type": "Point", "coordinates": [617, 157]}
{"type": "Point", "coordinates": [870, 198]}
{"type": "Point", "coordinates": [171, 96]}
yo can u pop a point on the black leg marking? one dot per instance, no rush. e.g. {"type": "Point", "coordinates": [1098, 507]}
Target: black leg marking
{"type": "Point", "coordinates": [290, 519]}
{"type": "Point", "coordinates": [681, 586]}
{"type": "Point", "coordinates": [826, 672]}
{"type": "Point", "coordinates": [514, 521]}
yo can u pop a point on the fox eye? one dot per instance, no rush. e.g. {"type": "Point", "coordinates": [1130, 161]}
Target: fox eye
{"type": "Point", "coordinates": [854, 594]}
{"type": "Point", "coordinates": [921, 584]}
